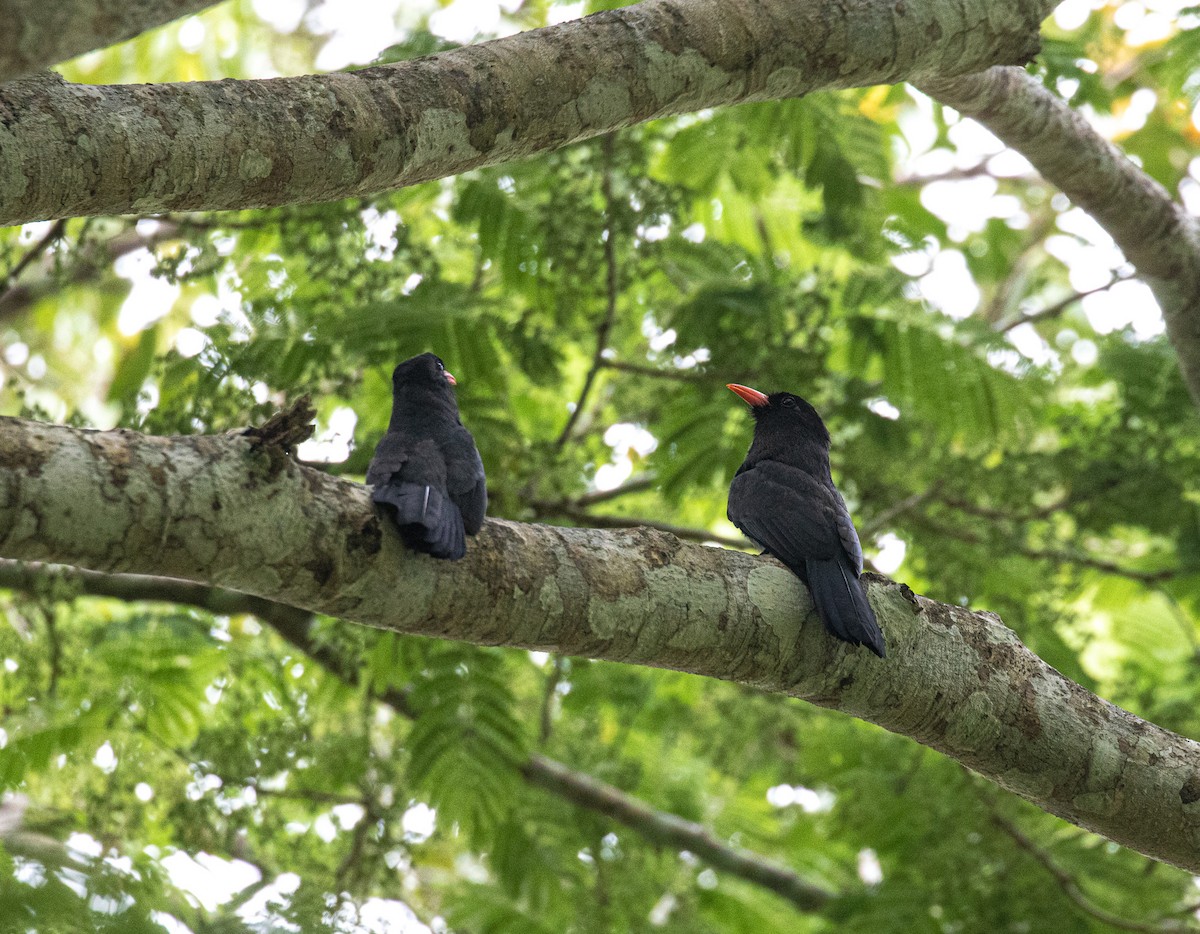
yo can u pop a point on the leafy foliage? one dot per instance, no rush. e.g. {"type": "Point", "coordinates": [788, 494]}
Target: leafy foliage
{"type": "Point", "coordinates": [1034, 452]}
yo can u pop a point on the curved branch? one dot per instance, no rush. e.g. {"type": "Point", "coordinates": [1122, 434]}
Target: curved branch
{"type": "Point", "coordinates": [74, 149]}
{"type": "Point", "coordinates": [583, 790]}
{"type": "Point", "coordinates": [230, 512]}
{"type": "Point", "coordinates": [38, 34]}
{"type": "Point", "coordinates": [1154, 232]}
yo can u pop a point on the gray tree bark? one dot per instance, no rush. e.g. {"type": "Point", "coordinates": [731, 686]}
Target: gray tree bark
{"type": "Point", "coordinates": [1154, 231]}
{"type": "Point", "coordinates": [235, 513]}
{"type": "Point", "coordinates": [35, 34]}
{"type": "Point", "coordinates": [68, 150]}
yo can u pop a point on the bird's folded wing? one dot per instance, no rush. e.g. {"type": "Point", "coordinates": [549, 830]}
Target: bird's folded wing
{"type": "Point", "coordinates": [465, 478]}
{"type": "Point", "coordinates": [793, 514]}
{"type": "Point", "coordinates": [391, 454]}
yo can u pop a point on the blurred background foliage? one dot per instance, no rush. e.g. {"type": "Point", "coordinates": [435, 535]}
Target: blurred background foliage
{"type": "Point", "coordinates": [1009, 429]}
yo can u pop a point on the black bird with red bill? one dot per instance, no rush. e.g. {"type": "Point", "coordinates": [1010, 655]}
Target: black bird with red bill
{"type": "Point", "coordinates": [426, 472]}
{"type": "Point", "coordinates": [784, 499]}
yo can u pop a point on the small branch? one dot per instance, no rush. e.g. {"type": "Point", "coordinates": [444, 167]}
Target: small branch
{"type": "Point", "coordinates": [610, 309]}
{"type": "Point", "coordinates": [678, 375]}
{"type": "Point", "coordinates": [880, 520]}
{"type": "Point", "coordinates": [1071, 888]}
{"type": "Point", "coordinates": [50, 237]}
{"type": "Point", "coordinates": [1057, 557]}
{"type": "Point", "coordinates": [548, 693]}
{"type": "Point", "coordinates": [637, 484]}
{"type": "Point", "coordinates": [674, 831]}
{"type": "Point", "coordinates": [1155, 232]}
{"type": "Point", "coordinates": [1052, 311]}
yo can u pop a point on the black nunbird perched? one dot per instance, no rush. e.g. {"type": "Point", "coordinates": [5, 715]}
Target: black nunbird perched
{"type": "Point", "coordinates": [426, 471]}
{"type": "Point", "coordinates": [783, 497]}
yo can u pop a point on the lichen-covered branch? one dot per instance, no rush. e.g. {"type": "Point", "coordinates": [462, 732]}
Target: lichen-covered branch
{"type": "Point", "coordinates": [68, 149]}
{"type": "Point", "coordinates": [37, 34]}
{"type": "Point", "coordinates": [558, 779]}
{"type": "Point", "coordinates": [1155, 233]}
{"type": "Point", "coordinates": [230, 512]}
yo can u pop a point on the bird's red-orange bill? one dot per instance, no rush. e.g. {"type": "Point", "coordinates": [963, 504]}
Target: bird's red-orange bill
{"type": "Point", "coordinates": [751, 396]}
{"type": "Point", "coordinates": [450, 378]}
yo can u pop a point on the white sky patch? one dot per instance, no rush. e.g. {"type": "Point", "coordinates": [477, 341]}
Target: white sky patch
{"type": "Point", "coordinates": [282, 15]}
{"type": "Point", "coordinates": [143, 792]}
{"type": "Point", "coordinates": [869, 869]}
{"type": "Point", "coordinates": [1071, 14]}
{"type": "Point", "coordinates": [890, 556]}
{"type": "Point", "coordinates": [105, 759]}
{"type": "Point", "coordinates": [418, 823]}
{"type": "Point", "coordinates": [325, 828]}
{"type": "Point", "coordinates": [190, 342]}
{"type": "Point", "coordinates": [258, 908]}
{"type": "Point", "coordinates": [949, 286]}
{"type": "Point", "coordinates": [966, 203]}
{"type": "Point", "coordinates": [149, 299]}
{"type": "Point", "coordinates": [884, 409]}
{"type": "Point", "coordinates": [1129, 303]}
{"type": "Point", "coordinates": [1030, 345]}
{"type": "Point", "coordinates": [388, 916]}
{"type": "Point", "coordinates": [331, 446]}
{"type": "Point", "coordinates": [561, 12]}
{"type": "Point", "coordinates": [660, 914]}
{"type": "Point", "coordinates": [1010, 164]}
{"type": "Point", "coordinates": [1085, 352]}
{"type": "Point", "coordinates": [212, 881]}
{"type": "Point", "coordinates": [85, 845]}
{"type": "Point", "coordinates": [663, 339]}
{"type": "Point", "coordinates": [192, 34]}
{"type": "Point", "coordinates": [810, 801]}
{"type": "Point", "coordinates": [16, 354]}
{"type": "Point", "coordinates": [463, 20]}
{"type": "Point", "coordinates": [695, 233]}
{"type": "Point", "coordinates": [1189, 189]}
{"type": "Point", "coordinates": [358, 31]}
{"type": "Point", "coordinates": [624, 436]}
{"type": "Point", "coordinates": [381, 234]}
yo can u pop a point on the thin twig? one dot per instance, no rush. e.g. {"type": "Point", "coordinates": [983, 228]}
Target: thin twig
{"type": "Point", "coordinates": [636, 484]}
{"type": "Point", "coordinates": [1057, 557]}
{"type": "Point", "coordinates": [610, 309]}
{"type": "Point", "coordinates": [1071, 888]}
{"type": "Point", "coordinates": [678, 375]}
{"type": "Point", "coordinates": [48, 239]}
{"type": "Point", "coordinates": [1052, 311]}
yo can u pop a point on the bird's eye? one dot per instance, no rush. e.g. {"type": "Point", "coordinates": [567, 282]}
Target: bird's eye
{"type": "Point", "coordinates": [441, 366]}
{"type": "Point", "coordinates": [789, 402]}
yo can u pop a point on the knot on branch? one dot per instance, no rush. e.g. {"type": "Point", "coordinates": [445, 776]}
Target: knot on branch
{"type": "Point", "coordinates": [287, 427]}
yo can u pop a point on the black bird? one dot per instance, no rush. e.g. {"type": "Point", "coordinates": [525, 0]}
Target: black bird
{"type": "Point", "coordinates": [783, 498]}
{"type": "Point", "coordinates": [426, 471]}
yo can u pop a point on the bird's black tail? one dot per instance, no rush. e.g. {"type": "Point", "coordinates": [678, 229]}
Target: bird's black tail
{"type": "Point", "coordinates": [842, 603]}
{"type": "Point", "coordinates": [427, 520]}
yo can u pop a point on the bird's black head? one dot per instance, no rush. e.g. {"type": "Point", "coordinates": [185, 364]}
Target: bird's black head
{"type": "Point", "coordinates": [425, 369]}
{"type": "Point", "coordinates": [783, 415]}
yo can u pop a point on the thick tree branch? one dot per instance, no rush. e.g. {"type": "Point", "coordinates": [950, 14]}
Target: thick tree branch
{"type": "Point", "coordinates": [1155, 233]}
{"type": "Point", "coordinates": [38, 34]}
{"type": "Point", "coordinates": [295, 626]}
{"type": "Point", "coordinates": [73, 149]}
{"type": "Point", "coordinates": [228, 512]}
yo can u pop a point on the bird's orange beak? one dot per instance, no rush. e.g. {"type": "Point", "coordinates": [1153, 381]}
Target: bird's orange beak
{"type": "Point", "coordinates": [450, 378]}
{"type": "Point", "coordinates": [752, 397]}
